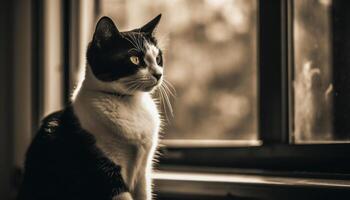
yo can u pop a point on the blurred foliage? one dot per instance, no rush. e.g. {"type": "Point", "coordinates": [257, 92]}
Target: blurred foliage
{"type": "Point", "coordinates": [312, 71]}
{"type": "Point", "coordinates": [210, 57]}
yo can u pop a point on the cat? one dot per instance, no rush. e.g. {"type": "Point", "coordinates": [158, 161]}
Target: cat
{"type": "Point", "coordinates": [101, 146]}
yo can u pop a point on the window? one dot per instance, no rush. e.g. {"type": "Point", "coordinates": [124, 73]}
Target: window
{"type": "Point", "coordinates": [319, 108]}
{"type": "Point", "coordinates": [265, 73]}
{"type": "Point", "coordinates": [290, 38]}
{"type": "Point", "coordinates": [210, 59]}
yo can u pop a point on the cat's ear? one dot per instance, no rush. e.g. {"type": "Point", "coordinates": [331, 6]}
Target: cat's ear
{"type": "Point", "coordinates": [150, 26]}
{"type": "Point", "coordinates": [105, 31]}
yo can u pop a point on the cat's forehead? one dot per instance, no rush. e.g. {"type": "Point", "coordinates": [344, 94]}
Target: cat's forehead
{"type": "Point", "coordinates": [141, 41]}
{"type": "Point", "coordinates": [134, 35]}
{"type": "Point", "coordinates": [137, 34]}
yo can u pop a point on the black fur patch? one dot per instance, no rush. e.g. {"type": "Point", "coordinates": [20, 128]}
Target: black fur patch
{"type": "Point", "coordinates": [63, 162]}
{"type": "Point", "coordinates": [109, 51]}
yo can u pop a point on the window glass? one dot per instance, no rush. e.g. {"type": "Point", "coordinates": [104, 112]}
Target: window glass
{"type": "Point", "coordinates": [321, 74]}
{"type": "Point", "coordinates": [210, 58]}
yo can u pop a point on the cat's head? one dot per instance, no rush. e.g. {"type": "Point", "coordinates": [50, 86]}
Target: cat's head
{"type": "Point", "coordinates": [125, 62]}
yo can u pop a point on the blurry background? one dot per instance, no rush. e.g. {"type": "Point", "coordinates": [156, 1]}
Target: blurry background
{"type": "Point", "coordinates": [257, 82]}
{"type": "Point", "coordinates": [210, 58]}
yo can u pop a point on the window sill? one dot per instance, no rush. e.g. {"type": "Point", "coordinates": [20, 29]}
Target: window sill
{"type": "Point", "coordinates": [247, 186]}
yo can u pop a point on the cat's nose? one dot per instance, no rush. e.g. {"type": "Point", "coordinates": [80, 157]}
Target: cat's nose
{"type": "Point", "coordinates": [157, 76]}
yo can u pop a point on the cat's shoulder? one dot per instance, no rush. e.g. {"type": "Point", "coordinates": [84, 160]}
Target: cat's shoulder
{"type": "Point", "coordinates": [52, 128]}
{"type": "Point", "coordinates": [45, 140]}
{"type": "Point", "coordinates": [51, 124]}
{"type": "Point", "coordinates": [49, 128]}
{"type": "Point", "coordinates": [59, 134]}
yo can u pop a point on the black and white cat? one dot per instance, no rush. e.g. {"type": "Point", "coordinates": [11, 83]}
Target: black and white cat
{"type": "Point", "coordinates": [101, 146]}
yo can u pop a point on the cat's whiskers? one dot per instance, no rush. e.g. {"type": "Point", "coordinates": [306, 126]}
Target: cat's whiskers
{"type": "Point", "coordinates": [161, 97]}
{"type": "Point", "coordinates": [137, 83]}
{"type": "Point", "coordinates": [170, 85]}
{"type": "Point", "coordinates": [164, 91]}
{"type": "Point", "coordinates": [133, 87]}
{"type": "Point", "coordinates": [168, 101]}
{"type": "Point", "coordinates": [170, 90]}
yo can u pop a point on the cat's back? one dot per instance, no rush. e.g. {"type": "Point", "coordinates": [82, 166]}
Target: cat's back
{"type": "Point", "coordinates": [47, 143]}
{"type": "Point", "coordinates": [63, 162]}
{"type": "Point", "coordinates": [57, 140]}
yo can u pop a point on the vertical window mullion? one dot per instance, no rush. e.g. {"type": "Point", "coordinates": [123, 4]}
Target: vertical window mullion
{"type": "Point", "coordinates": [341, 73]}
{"type": "Point", "coordinates": [273, 71]}
{"type": "Point", "coordinates": [289, 76]}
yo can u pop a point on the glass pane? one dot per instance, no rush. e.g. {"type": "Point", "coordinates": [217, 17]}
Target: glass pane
{"type": "Point", "coordinates": [210, 59]}
{"type": "Point", "coordinates": [321, 71]}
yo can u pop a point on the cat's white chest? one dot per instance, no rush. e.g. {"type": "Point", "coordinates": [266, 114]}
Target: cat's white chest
{"type": "Point", "coordinates": [138, 123]}
{"type": "Point", "coordinates": [126, 130]}
{"type": "Point", "coordinates": [137, 119]}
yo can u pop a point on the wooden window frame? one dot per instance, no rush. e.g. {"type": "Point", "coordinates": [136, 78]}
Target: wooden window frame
{"type": "Point", "coordinates": [277, 150]}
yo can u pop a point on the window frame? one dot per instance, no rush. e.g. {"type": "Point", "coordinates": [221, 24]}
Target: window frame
{"type": "Point", "coordinates": [277, 151]}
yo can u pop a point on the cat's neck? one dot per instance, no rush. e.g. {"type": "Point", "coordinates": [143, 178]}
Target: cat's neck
{"type": "Point", "coordinates": [89, 96]}
{"type": "Point", "coordinates": [92, 89]}
{"type": "Point", "coordinates": [101, 112]}
{"type": "Point", "coordinates": [94, 102]}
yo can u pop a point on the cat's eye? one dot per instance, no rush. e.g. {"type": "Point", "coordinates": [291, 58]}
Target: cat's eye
{"type": "Point", "coordinates": [158, 59]}
{"type": "Point", "coordinates": [135, 60]}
